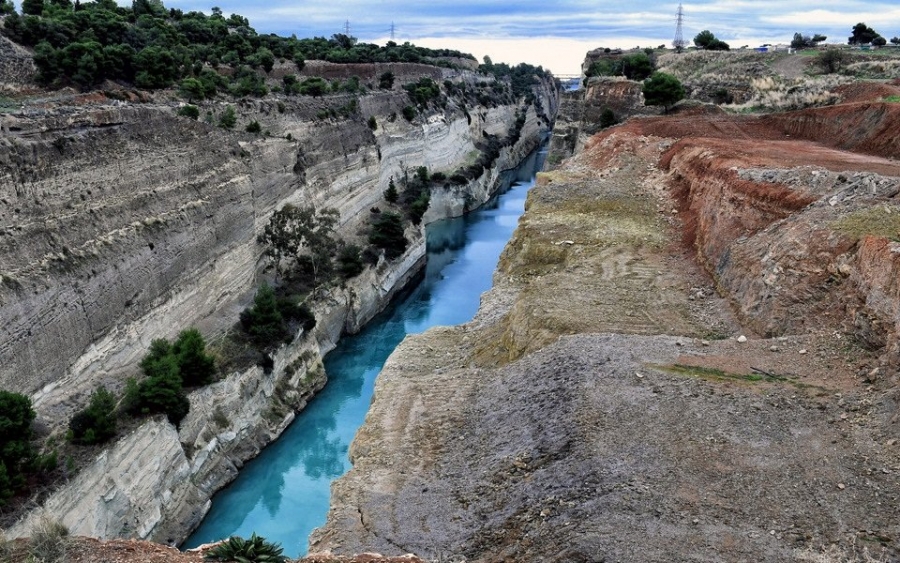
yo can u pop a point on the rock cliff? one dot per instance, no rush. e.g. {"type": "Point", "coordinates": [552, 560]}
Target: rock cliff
{"type": "Point", "coordinates": [121, 223]}
{"type": "Point", "coordinates": [689, 354]}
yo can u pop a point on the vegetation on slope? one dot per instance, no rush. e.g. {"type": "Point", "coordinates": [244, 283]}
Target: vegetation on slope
{"type": "Point", "coordinates": [153, 47]}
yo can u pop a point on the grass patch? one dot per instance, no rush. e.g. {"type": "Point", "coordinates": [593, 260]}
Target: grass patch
{"type": "Point", "coordinates": [713, 374]}
{"type": "Point", "coordinates": [892, 99]}
{"type": "Point", "coordinates": [880, 221]}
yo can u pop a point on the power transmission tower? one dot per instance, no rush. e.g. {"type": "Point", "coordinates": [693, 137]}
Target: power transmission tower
{"type": "Point", "coordinates": [679, 19]}
{"type": "Point", "coordinates": [347, 28]}
{"type": "Point", "coordinates": [393, 29]}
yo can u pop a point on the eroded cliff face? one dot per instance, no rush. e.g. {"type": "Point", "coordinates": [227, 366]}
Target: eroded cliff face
{"type": "Point", "coordinates": [121, 223]}
{"type": "Point", "coordinates": [689, 353]}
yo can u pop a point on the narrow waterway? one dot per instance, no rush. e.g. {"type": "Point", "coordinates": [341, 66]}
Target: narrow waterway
{"type": "Point", "coordinates": [283, 494]}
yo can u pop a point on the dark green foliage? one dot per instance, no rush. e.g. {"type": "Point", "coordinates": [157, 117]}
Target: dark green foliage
{"type": "Point", "coordinates": [253, 127]}
{"type": "Point", "coordinates": [373, 125]}
{"type": "Point", "coordinates": [662, 89]}
{"type": "Point", "coordinates": [350, 263]}
{"type": "Point", "coordinates": [706, 40]}
{"type": "Point", "coordinates": [637, 67]}
{"type": "Point", "coordinates": [607, 118]}
{"type": "Point", "coordinates": [879, 41]}
{"type": "Point", "coordinates": [247, 82]}
{"type": "Point", "coordinates": [192, 89]}
{"type": "Point", "coordinates": [302, 238]}
{"type": "Point", "coordinates": [263, 321]}
{"type": "Point", "coordinates": [160, 392]}
{"type": "Point", "coordinates": [96, 423]}
{"type": "Point", "coordinates": [155, 67]}
{"type": "Point", "coordinates": [423, 91]}
{"type": "Point", "coordinates": [862, 34]}
{"type": "Point", "coordinates": [228, 119]}
{"type": "Point", "coordinates": [194, 365]}
{"type": "Point", "coordinates": [33, 7]}
{"type": "Point", "coordinates": [313, 87]}
{"type": "Point", "coordinates": [831, 60]}
{"type": "Point", "coordinates": [418, 207]}
{"type": "Point", "coordinates": [386, 80]}
{"type": "Point", "coordinates": [895, 40]}
{"type": "Point", "coordinates": [254, 550]}
{"type": "Point", "coordinates": [16, 416]}
{"type": "Point", "coordinates": [521, 77]}
{"type": "Point", "coordinates": [167, 368]}
{"type": "Point", "coordinates": [270, 319]}
{"type": "Point", "coordinates": [409, 113]}
{"type": "Point", "coordinates": [387, 234]}
{"type": "Point", "coordinates": [192, 112]}
{"type": "Point", "coordinates": [391, 195]}
{"type": "Point", "coordinates": [6, 7]}
{"type": "Point", "coordinates": [801, 41]}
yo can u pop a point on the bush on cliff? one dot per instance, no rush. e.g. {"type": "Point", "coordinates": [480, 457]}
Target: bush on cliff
{"type": "Point", "coordinates": [386, 233]}
{"type": "Point", "coordinates": [16, 455]}
{"type": "Point", "coordinates": [96, 423]}
{"type": "Point", "coordinates": [273, 320]}
{"type": "Point", "coordinates": [167, 369]}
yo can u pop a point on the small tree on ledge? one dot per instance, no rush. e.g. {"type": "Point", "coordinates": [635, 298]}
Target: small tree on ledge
{"type": "Point", "coordinates": [662, 89]}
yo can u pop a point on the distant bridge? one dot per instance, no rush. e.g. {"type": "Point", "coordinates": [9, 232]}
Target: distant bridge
{"type": "Point", "coordinates": [567, 76]}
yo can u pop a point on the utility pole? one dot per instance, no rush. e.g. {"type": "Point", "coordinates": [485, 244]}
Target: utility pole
{"type": "Point", "coordinates": [679, 40]}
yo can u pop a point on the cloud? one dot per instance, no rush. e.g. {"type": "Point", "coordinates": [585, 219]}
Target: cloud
{"type": "Point", "coordinates": [516, 31]}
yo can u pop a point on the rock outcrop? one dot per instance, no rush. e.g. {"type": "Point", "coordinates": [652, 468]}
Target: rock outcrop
{"type": "Point", "coordinates": [688, 354]}
{"type": "Point", "coordinates": [121, 223]}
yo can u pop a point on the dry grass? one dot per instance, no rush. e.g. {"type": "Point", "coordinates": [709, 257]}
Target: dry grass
{"type": "Point", "coordinates": [782, 94]}
{"type": "Point", "coordinates": [880, 221]}
{"type": "Point", "coordinates": [49, 541]}
{"type": "Point", "coordinates": [880, 69]}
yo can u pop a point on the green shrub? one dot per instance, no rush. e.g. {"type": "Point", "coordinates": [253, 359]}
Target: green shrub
{"type": "Point", "coordinates": [373, 125]}
{"type": "Point", "coordinates": [195, 366]}
{"type": "Point", "coordinates": [350, 262]}
{"type": "Point", "coordinates": [263, 321]}
{"type": "Point", "coordinates": [160, 392]}
{"type": "Point", "coordinates": [253, 127]}
{"type": "Point", "coordinates": [607, 118]}
{"type": "Point", "coordinates": [386, 233]}
{"type": "Point", "coordinates": [189, 111]}
{"type": "Point", "coordinates": [409, 113]}
{"type": "Point", "coordinates": [228, 119]}
{"type": "Point", "coordinates": [391, 194]}
{"type": "Point", "coordinates": [96, 423]}
{"type": "Point", "coordinates": [254, 550]}
{"type": "Point", "coordinates": [16, 416]}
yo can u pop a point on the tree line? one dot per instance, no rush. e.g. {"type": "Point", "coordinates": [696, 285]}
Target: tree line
{"type": "Point", "coordinates": [84, 43]}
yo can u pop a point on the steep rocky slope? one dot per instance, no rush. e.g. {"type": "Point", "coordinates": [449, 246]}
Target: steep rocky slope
{"type": "Point", "coordinates": [689, 354]}
{"type": "Point", "coordinates": [122, 223]}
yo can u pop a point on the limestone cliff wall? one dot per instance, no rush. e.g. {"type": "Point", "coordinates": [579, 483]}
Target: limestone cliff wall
{"type": "Point", "coordinates": [121, 224]}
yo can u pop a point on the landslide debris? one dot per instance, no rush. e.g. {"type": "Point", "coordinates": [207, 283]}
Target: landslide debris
{"type": "Point", "coordinates": [689, 354]}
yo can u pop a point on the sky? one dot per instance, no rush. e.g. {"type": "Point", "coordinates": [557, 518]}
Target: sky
{"type": "Point", "coordinates": [556, 34]}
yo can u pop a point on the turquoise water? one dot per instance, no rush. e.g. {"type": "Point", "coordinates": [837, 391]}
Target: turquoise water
{"type": "Point", "coordinates": [283, 494]}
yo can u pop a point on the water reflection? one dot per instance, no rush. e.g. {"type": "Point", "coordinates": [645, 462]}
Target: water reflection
{"type": "Point", "coordinates": [283, 494]}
